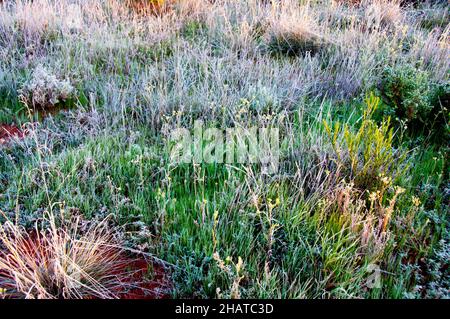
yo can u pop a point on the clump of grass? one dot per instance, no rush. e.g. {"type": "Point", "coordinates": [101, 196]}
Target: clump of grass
{"type": "Point", "coordinates": [383, 13]}
{"type": "Point", "coordinates": [66, 261]}
{"type": "Point", "coordinates": [34, 23]}
{"type": "Point", "coordinates": [294, 34]}
{"type": "Point", "coordinates": [370, 222]}
{"type": "Point", "coordinates": [435, 18]}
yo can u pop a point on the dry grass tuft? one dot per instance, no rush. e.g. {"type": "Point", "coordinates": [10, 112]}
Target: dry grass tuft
{"type": "Point", "coordinates": [71, 261]}
{"type": "Point", "coordinates": [383, 13]}
{"type": "Point", "coordinates": [294, 33]}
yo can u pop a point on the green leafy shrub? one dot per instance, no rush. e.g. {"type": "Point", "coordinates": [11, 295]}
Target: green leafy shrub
{"type": "Point", "coordinates": [432, 278]}
{"type": "Point", "coordinates": [411, 97]}
{"type": "Point", "coordinates": [406, 90]}
{"type": "Point", "coordinates": [440, 100]}
{"type": "Point", "coordinates": [367, 156]}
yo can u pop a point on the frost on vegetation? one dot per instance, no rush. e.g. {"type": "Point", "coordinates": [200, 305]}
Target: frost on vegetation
{"type": "Point", "coordinates": [44, 89]}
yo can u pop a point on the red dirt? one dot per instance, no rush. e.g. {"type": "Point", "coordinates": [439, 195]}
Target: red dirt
{"type": "Point", "coordinates": [155, 287]}
{"type": "Point", "coordinates": [9, 131]}
{"type": "Point", "coordinates": [141, 278]}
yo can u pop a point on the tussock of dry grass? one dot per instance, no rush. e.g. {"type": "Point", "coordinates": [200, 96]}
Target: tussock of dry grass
{"type": "Point", "coordinates": [294, 33]}
{"type": "Point", "coordinates": [62, 261]}
{"type": "Point", "coordinates": [383, 13]}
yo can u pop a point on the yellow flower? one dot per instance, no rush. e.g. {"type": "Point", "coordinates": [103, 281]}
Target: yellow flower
{"type": "Point", "coordinates": [277, 201]}
{"type": "Point", "coordinates": [386, 180]}
{"type": "Point", "coordinates": [416, 201]}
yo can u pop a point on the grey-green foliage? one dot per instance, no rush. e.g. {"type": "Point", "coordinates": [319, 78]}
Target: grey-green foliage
{"type": "Point", "coordinates": [407, 90]}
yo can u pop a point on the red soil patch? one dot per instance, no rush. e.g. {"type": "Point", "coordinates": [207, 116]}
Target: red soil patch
{"type": "Point", "coordinates": [148, 281]}
{"type": "Point", "coordinates": [140, 277]}
{"type": "Point", "coordinates": [9, 131]}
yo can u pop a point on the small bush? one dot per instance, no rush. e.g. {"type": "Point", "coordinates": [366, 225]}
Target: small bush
{"type": "Point", "coordinates": [407, 91]}
{"type": "Point", "coordinates": [438, 286]}
{"type": "Point", "coordinates": [45, 90]}
{"type": "Point", "coordinates": [412, 98]}
{"type": "Point", "coordinates": [439, 115]}
{"type": "Point", "coordinates": [367, 155]}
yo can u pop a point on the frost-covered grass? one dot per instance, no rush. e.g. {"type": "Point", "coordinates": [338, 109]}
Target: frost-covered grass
{"type": "Point", "coordinates": [354, 192]}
